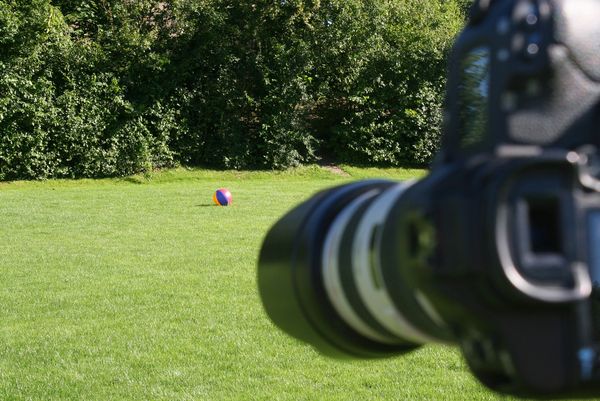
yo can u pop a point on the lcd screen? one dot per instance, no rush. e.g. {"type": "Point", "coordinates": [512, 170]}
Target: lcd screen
{"type": "Point", "coordinates": [474, 90]}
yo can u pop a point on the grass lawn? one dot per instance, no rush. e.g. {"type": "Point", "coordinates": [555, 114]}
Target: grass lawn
{"type": "Point", "coordinates": [139, 289]}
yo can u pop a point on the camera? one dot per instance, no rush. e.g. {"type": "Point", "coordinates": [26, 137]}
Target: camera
{"type": "Point", "coordinates": [497, 250]}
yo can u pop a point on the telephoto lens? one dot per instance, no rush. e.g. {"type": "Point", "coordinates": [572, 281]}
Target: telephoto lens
{"type": "Point", "coordinates": [324, 264]}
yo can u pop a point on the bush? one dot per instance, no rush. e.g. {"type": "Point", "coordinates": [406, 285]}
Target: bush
{"type": "Point", "coordinates": [387, 95]}
{"type": "Point", "coordinates": [91, 89]}
{"type": "Point", "coordinates": [63, 114]}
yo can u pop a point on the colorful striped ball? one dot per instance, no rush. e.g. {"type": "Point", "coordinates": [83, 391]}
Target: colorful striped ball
{"type": "Point", "coordinates": [222, 197]}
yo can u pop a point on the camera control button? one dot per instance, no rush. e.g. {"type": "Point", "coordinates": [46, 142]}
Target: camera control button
{"type": "Point", "coordinates": [533, 47]}
{"type": "Point", "coordinates": [532, 50]}
{"type": "Point", "coordinates": [528, 47]}
{"type": "Point", "coordinates": [531, 20]}
{"type": "Point", "coordinates": [527, 16]}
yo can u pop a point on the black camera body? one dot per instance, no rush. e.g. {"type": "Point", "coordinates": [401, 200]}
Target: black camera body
{"type": "Point", "coordinates": [498, 249]}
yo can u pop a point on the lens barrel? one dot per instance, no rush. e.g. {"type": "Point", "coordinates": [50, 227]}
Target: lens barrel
{"type": "Point", "coordinates": [321, 275]}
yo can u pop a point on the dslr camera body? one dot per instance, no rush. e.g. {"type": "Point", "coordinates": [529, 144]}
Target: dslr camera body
{"type": "Point", "coordinates": [497, 250]}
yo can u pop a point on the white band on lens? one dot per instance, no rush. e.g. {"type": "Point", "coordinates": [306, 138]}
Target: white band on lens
{"type": "Point", "coordinates": [367, 270]}
{"type": "Point", "coordinates": [331, 274]}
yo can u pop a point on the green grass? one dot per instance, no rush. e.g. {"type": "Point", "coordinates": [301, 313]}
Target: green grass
{"type": "Point", "coordinates": [138, 289]}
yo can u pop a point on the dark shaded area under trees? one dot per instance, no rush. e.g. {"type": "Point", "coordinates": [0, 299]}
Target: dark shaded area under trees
{"type": "Point", "coordinates": [115, 87]}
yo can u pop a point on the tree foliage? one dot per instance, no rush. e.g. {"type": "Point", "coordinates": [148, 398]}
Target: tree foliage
{"type": "Point", "coordinates": [93, 88]}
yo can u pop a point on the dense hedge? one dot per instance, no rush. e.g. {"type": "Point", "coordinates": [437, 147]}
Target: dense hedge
{"type": "Point", "coordinates": [111, 87]}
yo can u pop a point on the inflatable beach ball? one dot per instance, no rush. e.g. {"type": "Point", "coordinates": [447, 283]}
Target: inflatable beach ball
{"type": "Point", "coordinates": [222, 197]}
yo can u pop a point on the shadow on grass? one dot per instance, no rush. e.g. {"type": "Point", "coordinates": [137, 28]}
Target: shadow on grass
{"type": "Point", "coordinates": [135, 180]}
